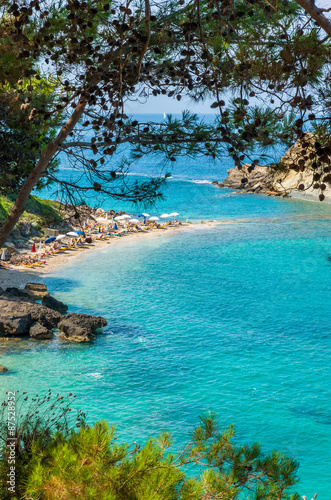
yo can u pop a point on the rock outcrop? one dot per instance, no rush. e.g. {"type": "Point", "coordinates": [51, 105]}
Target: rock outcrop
{"type": "Point", "coordinates": [80, 327]}
{"type": "Point", "coordinates": [37, 290]}
{"type": "Point", "coordinates": [3, 369]}
{"type": "Point", "coordinates": [54, 304]}
{"type": "Point", "coordinates": [280, 179]}
{"type": "Point", "coordinates": [259, 180]}
{"type": "Point", "coordinates": [21, 316]}
{"type": "Point", "coordinates": [36, 287]}
{"type": "Point", "coordinates": [40, 332]}
{"type": "Point", "coordinates": [18, 314]}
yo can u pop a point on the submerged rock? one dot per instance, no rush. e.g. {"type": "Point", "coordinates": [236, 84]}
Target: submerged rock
{"type": "Point", "coordinates": [80, 327]}
{"type": "Point", "coordinates": [3, 369]}
{"type": "Point", "coordinates": [54, 304]}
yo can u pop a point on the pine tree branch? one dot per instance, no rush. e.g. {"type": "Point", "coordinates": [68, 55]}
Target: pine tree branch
{"type": "Point", "coordinates": [316, 14]}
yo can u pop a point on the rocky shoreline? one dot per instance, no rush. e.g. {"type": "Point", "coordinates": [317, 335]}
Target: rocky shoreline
{"type": "Point", "coordinates": [291, 176]}
{"type": "Point", "coordinates": [260, 180]}
{"type": "Point", "coordinates": [22, 316]}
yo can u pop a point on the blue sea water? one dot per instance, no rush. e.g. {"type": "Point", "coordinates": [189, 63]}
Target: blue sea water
{"type": "Point", "coordinates": [233, 319]}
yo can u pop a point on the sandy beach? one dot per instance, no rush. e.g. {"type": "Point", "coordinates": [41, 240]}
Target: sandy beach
{"type": "Point", "coordinates": [18, 276]}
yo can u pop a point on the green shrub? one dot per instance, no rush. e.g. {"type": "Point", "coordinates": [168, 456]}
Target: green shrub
{"type": "Point", "coordinates": [59, 457]}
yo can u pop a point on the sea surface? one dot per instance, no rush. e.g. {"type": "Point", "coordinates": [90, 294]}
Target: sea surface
{"type": "Point", "coordinates": [234, 319]}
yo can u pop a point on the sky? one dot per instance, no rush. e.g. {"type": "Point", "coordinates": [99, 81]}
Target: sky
{"type": "Point", "coordinates": [163, 104]}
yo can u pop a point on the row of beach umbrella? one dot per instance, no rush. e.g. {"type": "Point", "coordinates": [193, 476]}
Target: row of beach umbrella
{"type": "Point", "coordinates": [144, 215]}
{"type": "Point", "coordinates": [125, 217]}
{"type": "Point", "coordinates": [71, 234]}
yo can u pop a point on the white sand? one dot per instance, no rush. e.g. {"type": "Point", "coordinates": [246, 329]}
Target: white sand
{"type": "Point", "coordinates": [18, 276]}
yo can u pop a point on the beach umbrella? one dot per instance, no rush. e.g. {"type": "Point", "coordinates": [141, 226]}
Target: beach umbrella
{"type": "Point", "coordinates": [40, 246]}
{"type": "Point", "coordinates": [50, 240]}
{"type": "Point", "coordinates": [119, 217]}
{"type": "Point", "coordinates": [135, 221]}
{"type": "Point", "coordinates": [33, 249]}
{"type": "Point", "coordinates": [143, 214]}
{"type": "Point", "coordinates": [153, 218]}
{"type": "Point", "coordinates": [3, 256]}
{"type": "Point", "coordinates": [60, 237]}
{"type": "Point", "coordinates": [115, 226]}
{"type": "Point", "coordinates": [80, 232]}
{"type": "Point", "coordinates": [165, 216]}
{"type": "Point", "coordinates": [174, 214]}
{"type": "Point", "coordinates": [126, 216]}
{"type": "Point", "coordinates": [72, 233]}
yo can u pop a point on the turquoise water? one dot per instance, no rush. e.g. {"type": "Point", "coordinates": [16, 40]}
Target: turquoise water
{"type": "Point", "coordinates": [233, 319]}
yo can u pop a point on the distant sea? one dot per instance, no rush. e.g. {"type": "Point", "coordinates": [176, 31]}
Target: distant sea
{"type": "Point", "coordinates": [234, 319]}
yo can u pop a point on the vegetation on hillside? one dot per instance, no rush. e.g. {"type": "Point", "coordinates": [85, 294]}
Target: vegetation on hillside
{"type": "Point", "coordinates": [43, 213]}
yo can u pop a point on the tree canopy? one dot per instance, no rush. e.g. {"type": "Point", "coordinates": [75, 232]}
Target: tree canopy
{"type": "Point", "coordinates": [264, 64]}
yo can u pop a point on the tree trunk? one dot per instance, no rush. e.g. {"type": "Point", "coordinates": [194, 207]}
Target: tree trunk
{"type": "Point", "coordinates": [316, 14]}
{"type": "Point", "coordinates": [37, 172]}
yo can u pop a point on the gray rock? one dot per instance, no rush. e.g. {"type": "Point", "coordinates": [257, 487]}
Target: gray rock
{"type": "Point", "coordinates": [40, 332]}
{"type": "Point", "coordinates": [38, 295]}
{"type": "Point", "coordinates": [37, 290]}
{"type": "Point", "coordinates": [80, 327]}
{"type": "Point", "coordinates": [36, 287]}
{"type": "Point", "coordinates": [3, 369]}
{"type": "Point", "coordinates": [15, 234]}
{"type": "Point", "coordinates": [17, 292]}
{"type": "Point", "coordinates": [17, 326]}
{"type": "Point", "coordinates": [16, 260]}
{"type": "Point", "coordinates": [47, 317]}
{"type": "Point", "coordinates": [17, 314]}
{"type": "Point", "coordinates": [54, 304]}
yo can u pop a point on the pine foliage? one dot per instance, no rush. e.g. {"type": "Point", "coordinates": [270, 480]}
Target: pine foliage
{"type": "Point", "coordinates": [60, 457]}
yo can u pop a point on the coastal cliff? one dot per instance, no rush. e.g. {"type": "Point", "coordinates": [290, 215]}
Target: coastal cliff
{"type": "Point", "coordinates": [279, 179]}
